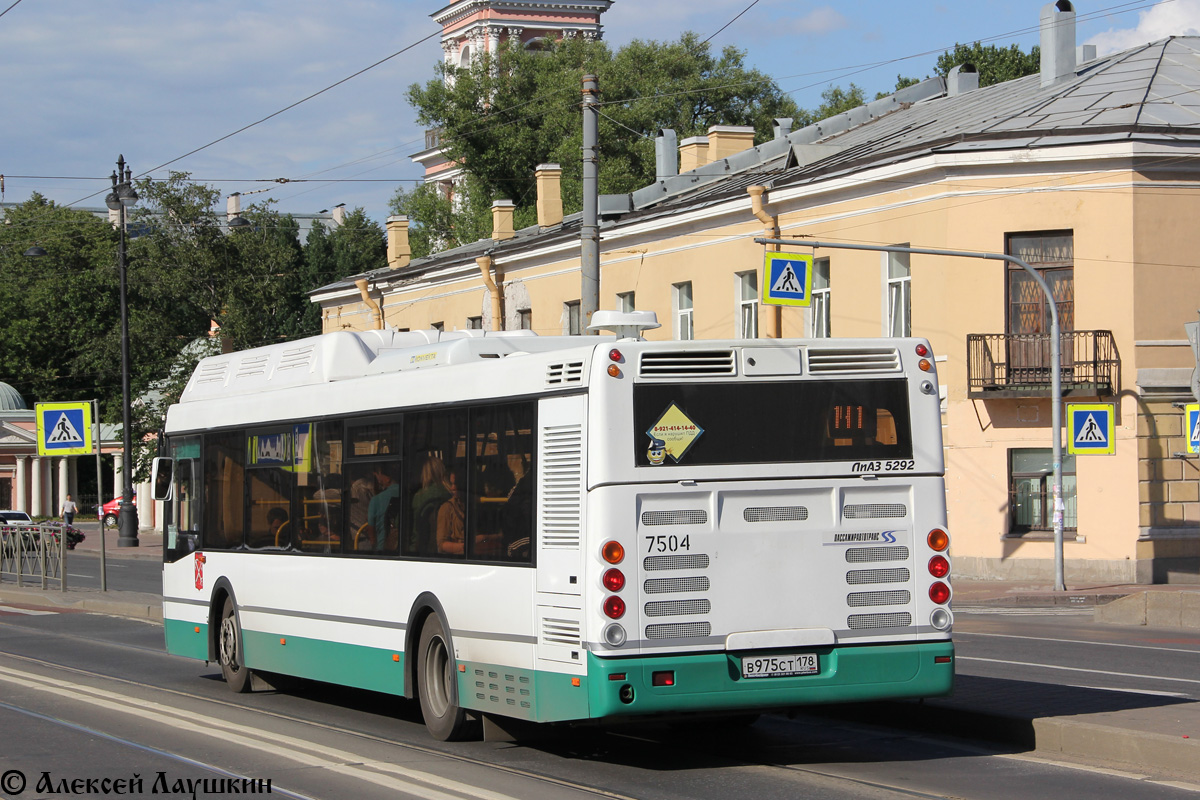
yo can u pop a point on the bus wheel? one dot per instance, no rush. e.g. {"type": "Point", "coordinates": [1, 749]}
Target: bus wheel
{"type": "Point", "coordinates": [436, 680]}
{"type": "Point", "coordinates": [229, 650]}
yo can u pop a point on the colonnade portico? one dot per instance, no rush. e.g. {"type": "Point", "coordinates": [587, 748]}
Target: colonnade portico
{"type": "Point", "coordinates": [41, 483]}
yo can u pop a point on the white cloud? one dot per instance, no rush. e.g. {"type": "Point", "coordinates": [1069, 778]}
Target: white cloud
{"type": "Point", "coordinates": [820, 21]}
{"type": "Point", "coordinates": [1170, 18]}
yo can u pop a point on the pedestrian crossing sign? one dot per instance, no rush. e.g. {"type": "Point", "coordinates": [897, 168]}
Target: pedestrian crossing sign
{"type": "Point", "coordinates": [1090, 427]}
{"type": "Point", "coordinates": [1191, 420]}
{"type": "Point", "coordinates": [788, 279]}
{"type": "Point", "coordinates": [64, 429]}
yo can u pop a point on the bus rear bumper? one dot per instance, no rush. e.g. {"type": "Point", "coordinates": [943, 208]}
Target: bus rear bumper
{"type": "Point", "coordinates": [713, 681]}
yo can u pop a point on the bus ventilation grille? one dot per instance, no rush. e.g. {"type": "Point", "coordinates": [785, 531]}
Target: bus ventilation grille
{"type": "Point", "coordinates": [687, 364]}
{"type": "Point", "coordinates": [677, 608]}
{"type": "Point", "coordinates": [857, 622]}
{"type": "Point", "coordinates": [858, 576]}
{"type": "Point", "coordinates": [688, 561]}
{"type": "Point", "coordinates": [866, 555]}
{"type": "Point", "coordinates": [296, 358]}
{"type": "Point", "coordinates": [250, 366]}
{"type": "Point", "coordinates": [897, 598]}
{"type": "Point", "coordinates": [211, 371]}
{"type": "Point", "coordinates": [562, 486]}
{"type": "Point", "coordinates": [697, 583]}
{"type": "Point", "coordinates": [678, 630]}
{"type": "Point", "coordinates": [849, 360]}
{"type": "Point", "coordinates": [685, 517]}
{"type": "Point", "coordinates": [561, 631]}
{"type": "Point", "coordinates": [559, 374]}
{"type": "Point", "coordinates": [775, 514]}
{"type": "Point", "coordinates": [875, 511]}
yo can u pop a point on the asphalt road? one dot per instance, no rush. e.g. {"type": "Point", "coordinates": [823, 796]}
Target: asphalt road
{"type": "Point", "coordinates": [86, 696]}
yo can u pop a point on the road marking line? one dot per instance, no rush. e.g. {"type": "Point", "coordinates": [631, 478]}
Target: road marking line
{"type": "Point", "coordinates": [351, 764]}
{"type": "Point", "coordinates": [31, 612]}
{"type": "Point", "coordinates": [1077, 669]}
{"type": "Point", "coordinates": [1129, 691]}
{"type": "Point", "coordinates": [959, 634]}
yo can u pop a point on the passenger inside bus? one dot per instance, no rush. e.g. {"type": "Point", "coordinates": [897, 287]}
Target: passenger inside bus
{"type": "Point", "coordinates": [426, 503]}
{"type": "Point", "coordinates": [380, 518]}
{"type": "Point", "coordinates": [277, 526]}
{"type": "Point", "coordinates": [451, 527]}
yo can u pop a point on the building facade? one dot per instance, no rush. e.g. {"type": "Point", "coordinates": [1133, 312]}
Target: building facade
{"type": "Point", "coordinates": [1087, 171]}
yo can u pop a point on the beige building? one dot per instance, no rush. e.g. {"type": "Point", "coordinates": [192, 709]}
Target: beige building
{"type": "Point", "coordinates": [1088, 171]}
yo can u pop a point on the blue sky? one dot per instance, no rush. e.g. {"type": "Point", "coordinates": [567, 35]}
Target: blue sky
{"type": "Point", "coordinates": [86, 80]}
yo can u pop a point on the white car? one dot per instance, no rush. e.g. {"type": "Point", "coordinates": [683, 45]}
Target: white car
{"type": "Point", "coordinates": [14, 518]}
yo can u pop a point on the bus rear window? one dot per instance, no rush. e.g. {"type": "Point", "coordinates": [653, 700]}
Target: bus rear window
{"type": "Point", "coordinates": [697, 424]}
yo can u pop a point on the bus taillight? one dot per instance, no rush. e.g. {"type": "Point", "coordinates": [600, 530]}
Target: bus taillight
{"type": "Point", "coordinates": [939, 567]}
{"type": "Point", "coordinates": [938, 592]}
{"type": "Point", "coordinates": [922, 350]}
{"type": "Point", "coordinates": [938, 540]}
{"type": "Point", "coordinates": [614, 580]}
{"type": "Point", "coordinates": [613, 552]}
{"type": "Point", "coordinates": [614, 607]}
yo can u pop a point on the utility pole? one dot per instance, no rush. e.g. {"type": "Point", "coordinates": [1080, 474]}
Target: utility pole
{"type": "Point", "coordinates": [589, 229]}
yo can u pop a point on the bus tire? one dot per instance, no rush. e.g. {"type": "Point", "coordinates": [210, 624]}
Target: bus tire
{"type": "Point", "coordinates": [230, 654]}
{"type": "Point", "coordinates": [436, 681]}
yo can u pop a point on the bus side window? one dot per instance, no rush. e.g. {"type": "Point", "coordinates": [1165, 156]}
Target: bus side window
{"type": "Point", "coordinates": [501, 518]}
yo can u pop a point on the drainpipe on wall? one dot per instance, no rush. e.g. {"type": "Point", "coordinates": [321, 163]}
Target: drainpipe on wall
{"type": "Point", "coordinates": [774, 314]}
{"type": "Point", "coordinates": [361, 284]}
{"type": "Point", "coordinates": [485, 268]}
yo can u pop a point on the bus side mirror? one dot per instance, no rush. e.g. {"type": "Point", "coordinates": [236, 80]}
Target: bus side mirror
{"type": "Point", "coordinates": [160, 477]}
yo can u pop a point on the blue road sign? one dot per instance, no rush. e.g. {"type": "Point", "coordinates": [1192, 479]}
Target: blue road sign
{"type": "Point", "coordinates": [1091, 427]}
{"type": "Point", "coordinates": [1191, 421]}
{"type": "Point", "coordinates": [64, 429]}
{"type": "Point", "coordinates": [788, 279]}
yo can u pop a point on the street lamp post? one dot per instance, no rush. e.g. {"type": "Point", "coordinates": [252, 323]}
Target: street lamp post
{"type": "Point", "coordinates": [122, 197]}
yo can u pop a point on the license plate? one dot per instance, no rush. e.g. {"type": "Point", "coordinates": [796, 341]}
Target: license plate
{"type": "Point", "coordinates": [780, 666]}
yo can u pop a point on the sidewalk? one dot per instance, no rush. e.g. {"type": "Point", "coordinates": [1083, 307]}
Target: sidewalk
{"type": "Point", "coordinates": [1140, 731]}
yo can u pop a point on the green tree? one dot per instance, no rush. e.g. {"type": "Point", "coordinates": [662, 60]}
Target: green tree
{"type": "Point", "coordinates": [995, 64]}
{"type": "Point", "coordinates": [503, 115]}
{"type": "Point", "coordinates": [59, 313]}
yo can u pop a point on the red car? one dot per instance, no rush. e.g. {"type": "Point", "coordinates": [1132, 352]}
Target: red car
{"type": "Point", "coordinates": [107, 513]}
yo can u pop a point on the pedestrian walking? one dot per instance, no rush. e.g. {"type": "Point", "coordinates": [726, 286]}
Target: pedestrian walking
{"type": "Point", "coordinates": [68, 510]}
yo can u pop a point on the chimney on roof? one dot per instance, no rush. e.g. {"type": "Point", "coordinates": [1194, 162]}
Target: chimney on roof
{"type": "Point", "coordinates": [783, 127]}
{"type": "Point", "coordinates": [398, 251]}
{"type": "Point", "coordinates": [666, 154]}
{"type": "Point", "coordinates": [1085, 53]}
{"type": "Point", "coordinates": [502, 219]}
{"type": "Point", "coordinates": [693, 153]}
{"type": "Point", "coordinates": [548, 178]}
{"type": "Point", "coordinates": [339, 215]}
{"type": "Point", "coordinates": [233, 206]}
{"type": "Point", "coordinates": [725, 140]}
{"type": "Point", "coordinates": [1058, 42]}
{"type": "Point", "coordinates": [962, 79]}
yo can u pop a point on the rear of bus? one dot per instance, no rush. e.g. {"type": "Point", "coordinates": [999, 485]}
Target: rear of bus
{"type": "Point", "coordinates": [765, 526]}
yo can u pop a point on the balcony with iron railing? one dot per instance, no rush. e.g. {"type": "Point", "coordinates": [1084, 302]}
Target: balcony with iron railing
{"type": "Point", "coordinates": [1017, 365]}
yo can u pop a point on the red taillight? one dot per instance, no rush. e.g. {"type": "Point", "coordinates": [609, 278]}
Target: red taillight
{"type": "Point", "coordinates": [938, 593]}
{"type": "Point", "coordinates": [939, 567]}
{"type": "Point", "coordinates": [615, 355]}
{"type": "Point", "coordinates": [922, 350]}
{"type": "Point", "coordinates": [614, 580]}
{"type": "Point", "coordinates": [613, 552]}
{"type": "Point", "coordinates": [614, 607]}
{"type": "Point", "coordinates": [666, 678]}
{"type": "Point", "coordinates": [938, 540]}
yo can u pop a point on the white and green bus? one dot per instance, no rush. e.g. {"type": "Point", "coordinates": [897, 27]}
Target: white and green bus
{"type": "Point", "coordinates": [563, 528]}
